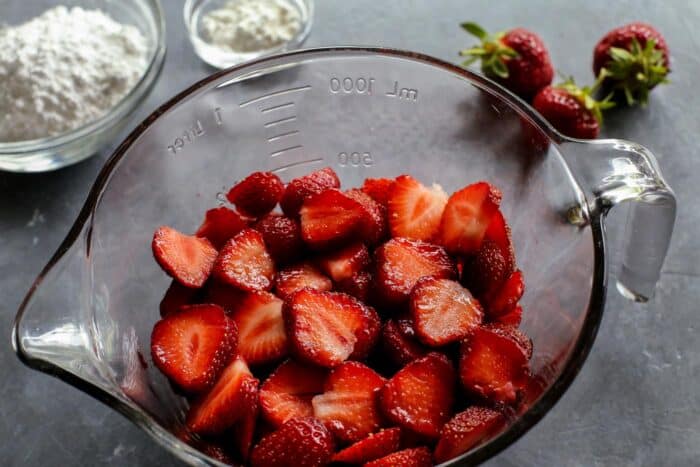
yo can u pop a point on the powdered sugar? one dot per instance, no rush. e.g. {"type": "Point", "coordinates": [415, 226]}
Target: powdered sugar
{"type": "Point", "coordinates": [251, 25]}
{"type": "Point", "coordinates": [63, 69]}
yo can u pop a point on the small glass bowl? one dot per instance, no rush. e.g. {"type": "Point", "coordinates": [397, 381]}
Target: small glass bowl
{"type": "Point", "coordinates": [54, 152]}
{"type": "Point", "coordinates": [195, 10]}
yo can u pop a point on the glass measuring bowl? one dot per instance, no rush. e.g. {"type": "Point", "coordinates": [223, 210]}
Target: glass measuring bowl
{"type": "Point", "coordinates": [366, 113]}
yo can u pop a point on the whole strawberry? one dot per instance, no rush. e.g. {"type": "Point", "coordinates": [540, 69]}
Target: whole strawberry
{"type": "Point", "coordinates": [571, 109]}
{"type": "Point", "coordinates": [518, 59]}
{"type": "Point", "coordinates": [633, 59]}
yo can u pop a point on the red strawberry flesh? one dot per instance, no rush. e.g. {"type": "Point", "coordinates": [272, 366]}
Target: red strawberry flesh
{"type": "Point", "coordinates": [344, 263]}
{"type": "Point", "coordinates": [466, 430]}
{"type": "Point", "coordinates": [299, 189]}
{"type": "Point", "coordinates": [398, 347]}
{"type": "Point", "coordinates": [245, 263]}
{"type": "Point", "coordinates": [331, 219]}
{"type": "Point", "coordinates": [414, 457]}
{"type": "Point", "coordinates": [261, 335]}
{"type": "Point", "coordinates": [282, 236]}
{"type": "Point", "coordinates": [300, 442]}
{"type": "Point", "coordinates": [219, 225]}
{"type": "Point", "coordinates": [300, 276]}
{"type": "Point", "coordinates": [175, 297]}
{"type": "Point", "coordinates": [257, 194]}
{"type": "Point", "coordinates": [414, 210]}
{"type": "Point", "coordinates": [379, 189]}
{"type": "Point", "coordinates": [372, 447]}
{"type": "Point", "coordinates": [187, 259]}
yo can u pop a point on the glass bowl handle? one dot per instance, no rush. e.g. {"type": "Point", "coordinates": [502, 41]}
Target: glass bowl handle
{"type": "Point", "coordinates": [614, 171]}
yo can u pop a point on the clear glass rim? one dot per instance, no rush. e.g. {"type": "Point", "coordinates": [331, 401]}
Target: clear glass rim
{"type": "Point", "coordinates": [126, 103]}
{"type": "Point", "coordinates": [518, 428]}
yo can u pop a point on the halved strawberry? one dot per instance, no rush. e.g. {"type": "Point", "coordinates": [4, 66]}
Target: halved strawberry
{"type": "Point", "coordinates": [327, 328]}
{"type": "Point", "coordinates": [245, 263]}
{"type": "Point", "coordinates": [331, 219]}
{"type": "Point", "coordinates": [513, 317]}
{"type": "Point", "coordinates": [192, 346]}
{"type": "Point", "coordinates": [372, 447]}
{"type": "Point", "coordinates": [400, 348]}
{"type": "Point", "coordinates": [414, 209]}
{"type": "Point", "coordinates": [499, 233]}
{"type": "Point", "coordinates": [374, 227]}
{"type": "Point", "coordinates": [175, 297]}
{"type": "Point", "coordinates": [443, 311]}
{"type": "Point", "coordinates": [493, 366]}
{"type": "Point", "coordinates": [466, 430]}
{"type": "Point", "coordinates": [219, 225]}
{"type": "Point", "coordinates": [282, 237]}
{"type": "Point", "coordinates": [485, 271]}
{"type": "Point", "coordinates": [514, 334]}
{"type": "Point", "coordinates": [244, 429]}
{"type": "Point", "coordinates": [261, 335]}
{"type": "Point", "coordinates": [187, 259]}
{"type": "Point", "coordinates": [225, 403]}
{"type": "Point", "coordinates": [379, 189]}
{"type": "Point", "coordinates": [348, 404]}
{"type": "Point", "coordinates": [300, 276]}
{"type": "Point", "coordinates": [212, 449]}
{"type": "Point", "coordinates": [301, 188]}
{"type": "Point", "coordinates": [401, 262]}
{"type": "Point", "coordinates": [257, 194]}
{"type": "Point", "coordinates": [224, 295]}
{"type": "Point", "coordinates": [414, 457]}
{"type": "Point", "coordinates": [359, 285]}
{"type": "Point", "coordinates": [300, 442]}
{"type": "Point", "coordinates": [343, 264]}
{"type": "Point", "coordinates": [466, 217]}
{"type": "Point", "coordinates": [421, 395]}
{"type": "Point", "coordinates": [507, 296]}
{"type": "Point", "coordinates": [288, 391]}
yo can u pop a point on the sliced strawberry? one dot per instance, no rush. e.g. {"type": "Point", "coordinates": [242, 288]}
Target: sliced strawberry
{"type": "Point", "coordinates": [288, 391]}
{"type": "Point", "coordinates": [498, 232]}
{"type": "Point", "coordinates": [301, 188]}
{"type": "Point", "coordinates": [231, 397]}
{"type": "Point", "coordinates": [331, 219]}
{"type": "Point", "coordinates": [401, 262]}
{"type": "Point", "coordinates": [348, 405]}
{"type": "Point", "coordinates": [300, 442]}
{"type": "Point", "coordinates": [372, 447]}
{"type": "Point", "coordinates": [343, 264]}
{"type": "Point", "coordinates": [359, 285]}
{"type": "Point", "coordinates": [300, 276]}
{"type": "Point", "coordinates": [379, 189]}
{"type": "Point", "coordinates": [224, 295]}
{"type": "Point", "coordinates": [261, 335]}
{"type": "Point", "coordinates": [466, 430]}
{"type": "Point", "coordinates": [486, 270]}
{"type": "Point", "coordinates": [398, 347]}
{"type": "Point", "coordinates": [245, 263]}
{"type": "Point", "coordinates": [467, 215]}
{"type": "Point", "coordinates": [513, 317]}
{"type": "Point", "coordinates": [421, 395]}
{"type": "Point", "coordinates": [327, 328]}
{"type": "Point", "coordinates": [282, 237]}
{"type": "Point", "coordinates": [514, 334]}
{"type": "Point", "coordinates": [175, 297]}
{"type": "Point", "coordinates": [219, 225]}
{"type": "Point", "coordinates": [443, 311]}
{"type": "Point", "coordinates": [374, 227]}
{"type": "Point", "coordinates": [507, 296]}
{"type": "Point", "coordinates": [192, 346]}
{"type": "Point", "coordinates": [257, 194]}
{"type": "Point", "coordinates": [414, 457]}
{"type": "Point", "coordinates": [210, 448]}
{"type": "Point", "coordinates": [493, 366]}
{"type": "Point", "coordinates": [187, 259]}
{"type": "Point", "coordinates": [244, 430]}
{"type": "Point", "coordinates": [414, 209]}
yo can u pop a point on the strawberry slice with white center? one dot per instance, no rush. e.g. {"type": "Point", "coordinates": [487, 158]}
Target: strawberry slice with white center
{"type": "Point", "coordinates": [245, 263]}
{"type": "Point", "coordinates": [187, 259]}
{"type": "Point", "coordinates": [192, 345]}
{"type": "Point", "coordinates": [228, 400]}
{"type": "Point", "coordinates": [443, 311]}
{"type": "Point", "coordinates": [261, 335]}
{"type": "Point", "coordinates": [414, 210]}
{"type": "Point", "coordinates": [288, 391]}
{"type": "Point", "coordinates": [331, 219]}
{"type": "Point", "coordinates": [348, 406]}
{"type": "Point", "coordinates": [327, 328]}
{"type": "Point", "coordinates": [466, 217]}
{"type": "Point", "coordinates": [372, 447]}
{"type": "Point", "coordinates": [344, 263]}
{"type": "Point", "coordinates": [466, 430]}
{"type": "Point", "coordinates": [300, 276]}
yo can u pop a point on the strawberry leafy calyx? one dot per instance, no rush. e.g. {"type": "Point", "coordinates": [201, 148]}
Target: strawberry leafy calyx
{"type": "Point", "coordinates": [585, 96]}
{"type": "Point", "coordinates": [492, 52]}
{"type": "Point", "coordinates": [637, 70]}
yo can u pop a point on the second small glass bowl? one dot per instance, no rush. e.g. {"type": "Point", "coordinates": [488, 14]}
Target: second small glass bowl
{"type": "Point", "coordinates": [194, 12]}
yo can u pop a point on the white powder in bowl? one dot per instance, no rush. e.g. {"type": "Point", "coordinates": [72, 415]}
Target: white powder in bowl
{"type": "Point", "coordinates": [63, 69]}
{"type": "Point", "coordinates": [251, 25]}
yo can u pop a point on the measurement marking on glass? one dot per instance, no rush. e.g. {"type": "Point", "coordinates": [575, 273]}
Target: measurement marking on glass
{"type": "Point", "coordinates": [297, 164]}
{"type": "Point", "coordinates": [282, 151]}
{"type": "Point", "coordinates": [274, 94]}
{"type": "Point", "coordinates": [281, 121]}
{"type": "Point", "coordinates": [282, 135]}
{"type": "Point", "coordinates": [278, 107]}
